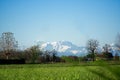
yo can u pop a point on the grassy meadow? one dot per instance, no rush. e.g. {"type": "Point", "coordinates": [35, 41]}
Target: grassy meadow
{"type": "Point", "coordinates": [59, 71]}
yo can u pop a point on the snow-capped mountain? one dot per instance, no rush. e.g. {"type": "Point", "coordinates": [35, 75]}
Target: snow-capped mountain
{"type": "Point", "coordinates": [68, 48]}
{"type": "Point", "coordinates": [63, 48]}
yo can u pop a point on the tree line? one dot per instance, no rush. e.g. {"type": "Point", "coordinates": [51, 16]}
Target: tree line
{"type": "Point", "coordinates": [9, 50]}
{"type": "Point", "coordinates": [107, 51]}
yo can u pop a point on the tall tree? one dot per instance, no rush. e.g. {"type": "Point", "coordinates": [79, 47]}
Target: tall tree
{"type": "Point", "coordinates": [92, 47]}
{"type": "Point", "coordinates": [34, 52]}
{"type": "Point", "coordinates": [54, 55]}
{"type": "Point", "coordinates": [47, 55]}
{"type": "Point", "coordinates": [8, 43]}
{"type": "Point", "coordinates": [117, 42]}
{"type": "Point", "coordinates": [107, 52]}
{"type": "Point", "coordinates": [106, 48]}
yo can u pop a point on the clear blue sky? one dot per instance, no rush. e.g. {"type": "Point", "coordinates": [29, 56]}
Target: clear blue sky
{"type": "Point", "coordinates": [55, 20]}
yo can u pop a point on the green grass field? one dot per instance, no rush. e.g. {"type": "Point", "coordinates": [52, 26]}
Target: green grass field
{"type": "Point", "coordinates": [60, 71]}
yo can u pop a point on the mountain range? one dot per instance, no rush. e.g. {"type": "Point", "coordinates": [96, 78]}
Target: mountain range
{"type": "Point", "coordinates": [63, 48]}
{"type": "Point", "coordinates": [67, 48]}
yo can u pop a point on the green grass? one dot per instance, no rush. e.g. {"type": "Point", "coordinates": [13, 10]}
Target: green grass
{"type": "Point", "coordinates": [59, 71]}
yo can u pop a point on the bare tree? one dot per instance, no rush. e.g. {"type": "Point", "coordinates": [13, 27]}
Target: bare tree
{"type": "Point", "coordinates": [92, 47]}
{"type": "Point", "coordinates": [8, 43]}
{"type": "Point", "coordinates": [106, 48]}
{"type": "Point", "coordinates": [107, 52]}
{"type": "Point", "coordinates": [47, 55]}
{"type": "Point", "coordinates": [34, 52]}
{"type": "Point", "coordinates": [54, 55]}
{"type": "Point", "coordinates": [117, 41]}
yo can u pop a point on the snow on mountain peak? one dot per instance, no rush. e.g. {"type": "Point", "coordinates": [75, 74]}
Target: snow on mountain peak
{"type": "Point", "coordinates": [74, 51]}
{"type": "Point", "coordinates": [62, 47]}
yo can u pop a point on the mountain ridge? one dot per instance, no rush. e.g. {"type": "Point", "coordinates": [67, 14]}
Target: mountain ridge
{"type": "Point", "coordinates": [63, 47]}
{"type": "Point", "coordinates": [68, 48]}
